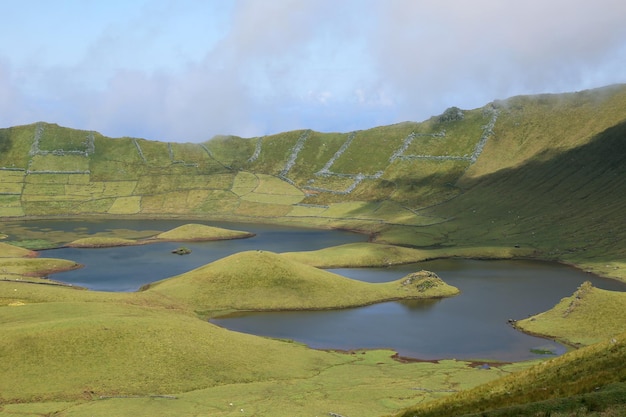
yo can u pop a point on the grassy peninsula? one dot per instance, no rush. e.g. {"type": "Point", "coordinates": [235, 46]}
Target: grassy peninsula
{"type": "Point", "coordinates": [261, 280]}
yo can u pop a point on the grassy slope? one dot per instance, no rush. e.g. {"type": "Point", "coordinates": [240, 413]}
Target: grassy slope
{"type": "Point", "coordinates": [589, 316]}
{"type": "Point", "coordinates": [574, 373]}
{"type": "Point", "coordinates": [189, 232]}
{"type": "Point", "coordinates": [259, 280]}
{"type": "Point", "coordinates": [10, 251]}
{"type": "Point", "coordinates": [354, 255]}
{"type": "Point", "coordinates": [551, 178]}
{"type": "Point", "coordinates": [88, 345]}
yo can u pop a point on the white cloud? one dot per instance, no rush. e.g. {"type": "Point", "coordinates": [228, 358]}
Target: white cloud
{"type": "Point", "coordinates": [187, 70]}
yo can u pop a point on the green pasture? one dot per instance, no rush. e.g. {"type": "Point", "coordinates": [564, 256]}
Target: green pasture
{"type": "Point", "coordinates": [275, 152]}
{"type": "Point", "coordinates": [231, 152]}
{"type": "Point", "coordinates": [59, 163]}
{"type": "Point", "coordinates": [15, 146]}
{"type": "Point", "coordinates": [56, 138]}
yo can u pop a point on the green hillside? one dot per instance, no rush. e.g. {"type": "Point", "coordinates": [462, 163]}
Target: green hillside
{"type": "Point", "coordinates": [540, 176]}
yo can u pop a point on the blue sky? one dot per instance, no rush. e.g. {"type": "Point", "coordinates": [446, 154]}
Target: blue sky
{"type": "Point", "coordinates": [186, 70]}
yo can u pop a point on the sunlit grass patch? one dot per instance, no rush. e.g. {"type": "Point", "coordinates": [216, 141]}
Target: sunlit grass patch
{"type": "Point", "coordinates": [269, 184]}
{"type": "Point", "coordinates": [364, 383]}
{"type": "Point", "coordinates": [192, 154]}
{"type": "Point", "coordinates": [10, 205]}
{"type": "Point", "coordinates": [220, 181]}
{"type": "Point", "coordinates": [358, 157]}
{"type": "Point", "coordinates": [82, 179]}
{"type": "Point", "coordinates": [330, 183]}
{"type": "Point", "coordinates": [282, 199]}
{"type": "Point", "coordinates": [60, 163]}
{"type": "Point", "coordinates": [304, 210]}
{"type": "Point", "coordinates": [57, 138]}
{"type": "Point", "coordinates": [588, 316]}
{"type": "Point", "coordinates": [352, 209]}
{"type": "Point", "coordinates": [11, 251]}
{"type": "Point", "coordinates": [11, 181]}
{"type": "Point", "coordinates": [125, 205]}
{"type": "Point", "coordinates": [245, 182]}
{"type": "Point", "coordinates": [101, 242]}
{"type": "Point", "coordinates": [200, 232]}
{"type": "Point", "coordinates": [256, 209]}
{"type": "Point", "coordinates": [69, 350]}
{"type": "Point", "coordinates": [85, 190]}
{"type": "Point", "coordinates": [459, 139]}
{"type": "Point", "coordinates": [358, 255]}
{"type": "Point", "coordinates": [118, 188]}
{"type": "Point", "coordinates": [231, 151]}
{"type": "Point", "coordinates": [35, 266]}
{"type": "Point", "coordinates": [217, 202]}
{"type": "Point", "coordinates": [15, 145]}
{"type": "Point", "coordinates": [98, 205]}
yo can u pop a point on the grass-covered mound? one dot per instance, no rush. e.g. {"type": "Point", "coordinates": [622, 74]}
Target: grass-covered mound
{"type": "Point", "coordinates": [35, 267]}
{"type": "Point", "coordinates": [21, 265]}
{"type": "Point", "coordinates": [579, 372]}
{"type": "Point", "coordinates": [360, 254]}
{"type": "Point", "coordinates": [363, 254]}
{"type": "Point", "coordinates": [185, 233]}
{"type": "Point", "coordinates": [10, 251]}
{"type": "Point", "coordinates": [588, 316]}
{"type": "Point", "coordinates": [200, 232]}
{"type": "Point", "coordinates": [101, 242]}
{"type": "Point", "coordinates": [261, 280]}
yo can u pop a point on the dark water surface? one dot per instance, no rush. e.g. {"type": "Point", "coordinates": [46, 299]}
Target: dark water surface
{"type": "Point", "coordinates": [472, 325]}
{"type": "Point", "coordinates": [128, 268]}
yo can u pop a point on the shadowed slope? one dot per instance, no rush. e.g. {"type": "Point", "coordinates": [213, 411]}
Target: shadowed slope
{"type": "Point", "coordinates": [569, 201]}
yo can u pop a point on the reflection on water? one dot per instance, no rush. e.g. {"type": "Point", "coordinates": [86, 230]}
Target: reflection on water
{"type": "Point", "coordinates": [472, 325]}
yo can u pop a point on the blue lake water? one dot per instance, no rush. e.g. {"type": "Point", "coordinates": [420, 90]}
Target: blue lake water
{"type": "Point", "coordinates": [472, 325]}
